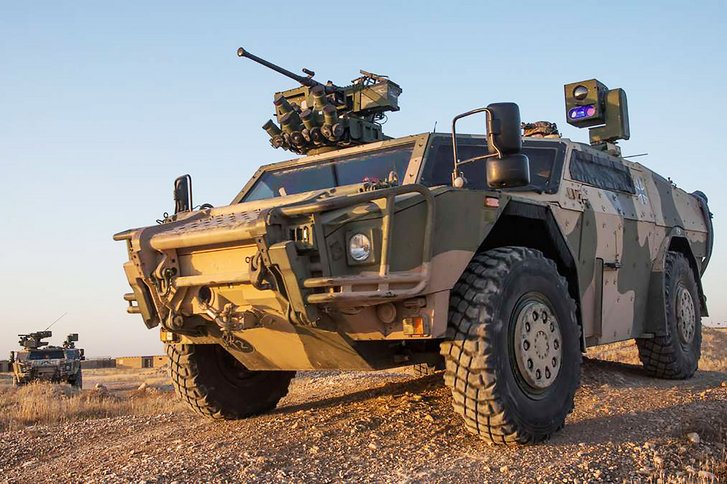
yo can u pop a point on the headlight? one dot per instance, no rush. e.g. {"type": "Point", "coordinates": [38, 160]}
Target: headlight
{"type": "Point", "coordinates": [359, 247]}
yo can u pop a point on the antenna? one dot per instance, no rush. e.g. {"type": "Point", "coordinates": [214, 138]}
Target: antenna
{"type": "Point", "coordinates": [634, 156]}
{"type": "Point", "coordinates": [435, 127]}
{"type": "Point", "coordinates": [54, 322]}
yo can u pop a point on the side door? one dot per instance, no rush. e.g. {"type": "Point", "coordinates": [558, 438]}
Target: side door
{"type": "Point", "coordinates": [615, 244]}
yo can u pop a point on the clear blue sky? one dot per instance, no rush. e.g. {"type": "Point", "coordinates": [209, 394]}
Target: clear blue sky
{"type": "Point", "coordinates": [102, 104]}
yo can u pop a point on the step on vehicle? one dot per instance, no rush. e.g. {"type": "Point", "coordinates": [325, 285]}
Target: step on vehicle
{"type": "Point", "coordinates": [496, 256]}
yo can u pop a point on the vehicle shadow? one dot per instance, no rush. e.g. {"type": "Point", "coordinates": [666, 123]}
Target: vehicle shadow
{"type": "Point", "coordinates": [707, 418]}
{"type": "Point", "coordinates": [616, 374]}
{"type": "Point", "coordinates": [414, 386]}
{"type": "Point", "coordinates": [595, 373]}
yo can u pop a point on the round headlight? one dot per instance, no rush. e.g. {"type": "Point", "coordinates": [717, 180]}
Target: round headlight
{"type": "Point", "coordinates": [580, 92]}
{"type": "Point", "coordinates": [359, 247]}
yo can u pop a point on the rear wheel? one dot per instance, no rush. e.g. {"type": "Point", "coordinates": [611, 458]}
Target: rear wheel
{"type": "Point", "coordinates": [215, 384]}
{"type": "Point", "coordinates": [676, 354]}
{"type": "Point", "coordinates": [513, 352]}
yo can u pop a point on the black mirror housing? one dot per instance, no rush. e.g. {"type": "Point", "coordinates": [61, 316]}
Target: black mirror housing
{"type": "Point", "coordinates": [503, 129]}
{"type": "Point", "coordinates": [509, 171]}
{"type": "Point", "coordinates": [183, 194]}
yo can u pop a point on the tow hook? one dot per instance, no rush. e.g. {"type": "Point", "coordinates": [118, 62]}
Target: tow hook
{"type": "Point", "coordinates": [163, 284]}
{"type": "Point", "coordinates": [258, 273]}
{"type": "Point", "coordinates": [230, 319]}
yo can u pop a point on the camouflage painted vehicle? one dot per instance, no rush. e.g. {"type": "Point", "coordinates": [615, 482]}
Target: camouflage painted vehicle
{"type": "Point", "coordinates": [40, 362]}
{"type": "Point", "coordinates": [375, 253]}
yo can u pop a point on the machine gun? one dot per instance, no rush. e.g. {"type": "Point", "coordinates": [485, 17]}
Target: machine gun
{"type": "Point", "coordinates": [33, 341]}
{"type": "Point", "coordinates": [318, 117]}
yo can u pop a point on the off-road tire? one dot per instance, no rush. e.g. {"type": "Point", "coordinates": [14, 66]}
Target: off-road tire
{"type": "Point", "coordinates": [424, 369]}
{"type": "Point", "coordinates": [214, 384]}
{"type": "Point", "coordinates": [669, 356]}
{"type": "Point", "coordinates": [77, 381]}
{"type": "Point", "coordinates": [479, 353]}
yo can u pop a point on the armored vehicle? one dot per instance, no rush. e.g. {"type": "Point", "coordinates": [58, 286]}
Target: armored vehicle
{"type": "Point", "coordinates": [501, 256]}
{"type": "Point", "coordinates": [39, 362]}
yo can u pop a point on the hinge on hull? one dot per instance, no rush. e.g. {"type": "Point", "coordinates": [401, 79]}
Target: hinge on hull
{"type": "Point", "coordinates": [614, 265]}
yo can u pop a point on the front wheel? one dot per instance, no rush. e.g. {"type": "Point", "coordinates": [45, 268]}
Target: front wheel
{"type": "Point", "coordinates": [513, 352]}
{"type": "Point", "coordinates": [215, 384]}
{"type": "Point", "coordinates": [77, 381]}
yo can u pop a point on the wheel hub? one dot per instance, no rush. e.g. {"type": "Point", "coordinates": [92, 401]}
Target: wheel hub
{"type": "Point", "coordinates": [537, 342]}
{"type": "Point", "coordinates": [686, 314]}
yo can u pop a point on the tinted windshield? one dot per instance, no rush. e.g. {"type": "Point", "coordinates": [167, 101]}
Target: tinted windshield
{"type": "Point", "coordinates": [372, 166]}
{"type": "Point", "coordinates": [46, 355]}
{"type": "Point", "coordinates": [438, 166]}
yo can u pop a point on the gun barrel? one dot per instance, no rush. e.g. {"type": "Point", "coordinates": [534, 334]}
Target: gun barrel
{"type": "Point", "coordinates": [306, 81]}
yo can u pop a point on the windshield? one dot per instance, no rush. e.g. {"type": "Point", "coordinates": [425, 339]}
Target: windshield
{"type": "Point", "coordinates": [438, 166]}
{"type": "Point", "coordinates": [46, 355]}
{"type": "Point", "coordinates": [372, 166]}
{"type": "Point", "coordinates": [72, 354]}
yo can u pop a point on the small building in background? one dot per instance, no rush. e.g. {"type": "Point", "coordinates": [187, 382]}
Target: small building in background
{"type": "Point", "coordinates": [94, 363]}
{"type": "Point", "coordinates": [4, 366]}
{"type": "Point", "coordinates": [156, 361]}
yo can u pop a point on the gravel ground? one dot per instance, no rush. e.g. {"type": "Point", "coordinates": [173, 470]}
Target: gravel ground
{"type": "Point", "coordinates": [390, 427]}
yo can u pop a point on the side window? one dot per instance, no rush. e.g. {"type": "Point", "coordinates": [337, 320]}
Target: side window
{"type": "Point", "coordinates": [601, 171]}
{"type": "Point", "coordinates": [439, 164]}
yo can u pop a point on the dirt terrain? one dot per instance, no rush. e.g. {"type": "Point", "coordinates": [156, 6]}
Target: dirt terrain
{"type": "Point", "coordinates": [383, 427]}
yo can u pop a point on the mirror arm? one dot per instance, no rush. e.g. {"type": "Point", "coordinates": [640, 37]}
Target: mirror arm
{"type": "Point", "coordinates": [455, 172]}
{"type": "Point", "coordinates": [475, 158]}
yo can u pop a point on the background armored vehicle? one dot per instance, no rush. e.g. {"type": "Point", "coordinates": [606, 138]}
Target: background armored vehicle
{"type": "Point", "coordinates": [502, 257]}
{"type": "Point", "coordinates": [40, 362]}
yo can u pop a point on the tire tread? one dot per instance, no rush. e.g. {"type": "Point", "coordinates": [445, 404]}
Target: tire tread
{"type": "Point", "coordinates": [470, 363]}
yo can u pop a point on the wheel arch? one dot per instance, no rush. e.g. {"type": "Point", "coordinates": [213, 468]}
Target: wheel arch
{"type": "Point", "coordinates": [516, 226]}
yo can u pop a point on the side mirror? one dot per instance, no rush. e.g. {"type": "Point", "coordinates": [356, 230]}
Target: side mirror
{"type": "Point", "coordinates": [183, 194]}
{"type": "Point", "coordinates": [503, 129]}
{"type": "Point", "coordinates": [511, 168]}
{"type": "Point", "coordinates": [506, 165]}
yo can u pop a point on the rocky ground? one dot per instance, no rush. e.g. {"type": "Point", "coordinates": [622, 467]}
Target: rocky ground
{"type": "Point", "coordinates": [390, 427]}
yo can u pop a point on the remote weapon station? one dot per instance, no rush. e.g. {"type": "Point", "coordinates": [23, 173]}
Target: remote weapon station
{"type": "Point", "coordinates": [315, 117]}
